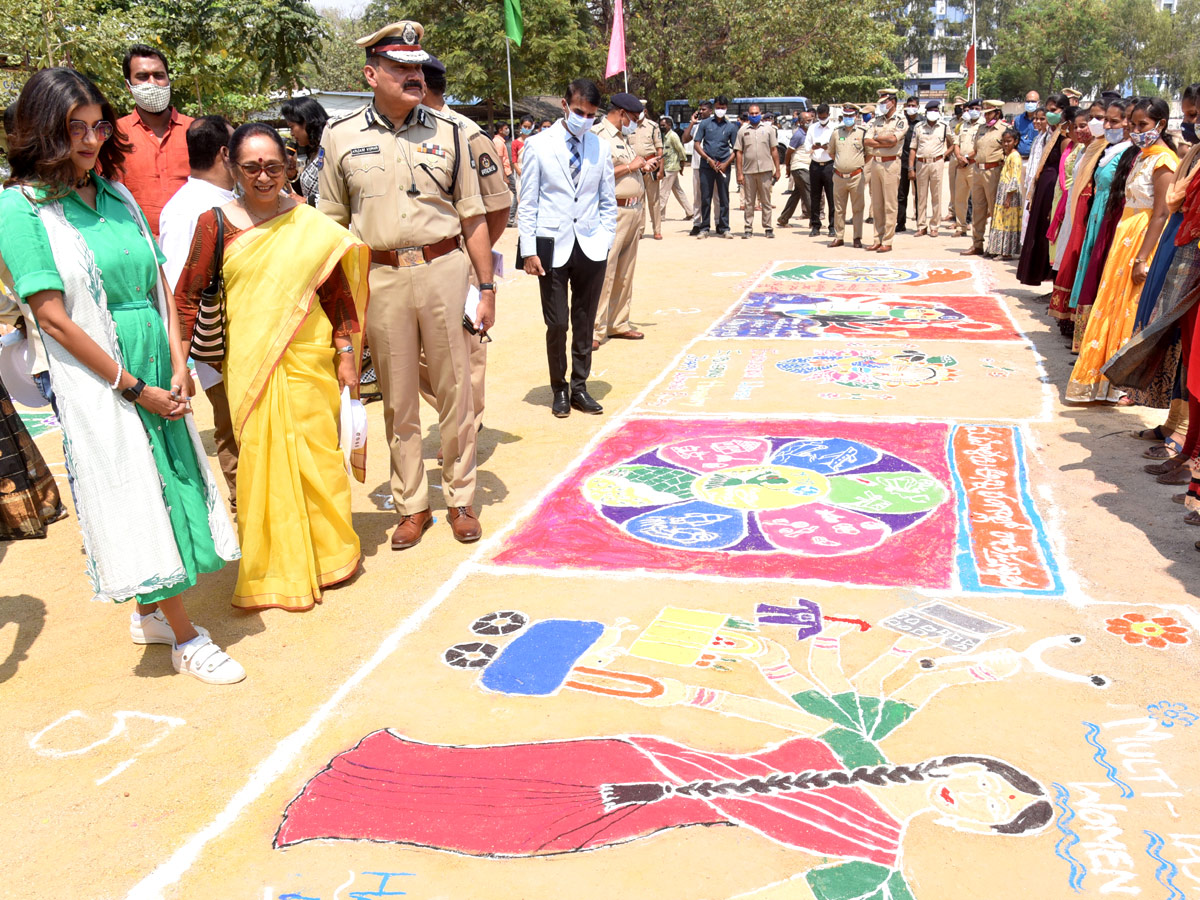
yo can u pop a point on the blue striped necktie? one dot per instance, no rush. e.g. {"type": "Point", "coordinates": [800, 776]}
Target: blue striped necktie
{"type": "Point", "coordinates": [575, 161]}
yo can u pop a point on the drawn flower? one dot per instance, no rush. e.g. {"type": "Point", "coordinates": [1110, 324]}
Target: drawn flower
{"type": "Point", "coordinates": [1168, 714]}
{"type": "Point", "coordinates": [1158, 632]}
{"type": "Point", "coordinates": [807, 496]}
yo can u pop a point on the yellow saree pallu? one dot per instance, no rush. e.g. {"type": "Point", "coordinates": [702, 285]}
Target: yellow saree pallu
{"type": "Point", "coordinates": [293, 491]}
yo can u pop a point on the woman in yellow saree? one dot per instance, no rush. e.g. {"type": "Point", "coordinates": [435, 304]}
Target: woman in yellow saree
{"type": "Point", "coordinates": [296, 291]}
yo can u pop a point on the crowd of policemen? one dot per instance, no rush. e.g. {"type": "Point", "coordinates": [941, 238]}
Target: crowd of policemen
{"type": "Point", "coordinates": [891, 150]}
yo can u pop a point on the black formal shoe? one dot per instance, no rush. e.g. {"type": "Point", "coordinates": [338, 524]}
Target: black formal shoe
{"type": "Point", "coordinates": [583, 402]}
{"type": "Point", "coordinates": [857, 244]}
{"type": "Point", "coordinates": [695, 231]}
{"type": "Point", "coordinates": [561, 407]}
{"type": "Point", "coordinates": [814, 231]}
{"type": "Point", "coordinates": [831, 231]}
{"type": "Point", "coordinates": [900, 228]}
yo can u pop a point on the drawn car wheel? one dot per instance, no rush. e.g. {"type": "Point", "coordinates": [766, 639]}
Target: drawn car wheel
{"type": "Point", "coordinates": [504, 622]}
{"type": "Point", "coordinates": [474, 655]}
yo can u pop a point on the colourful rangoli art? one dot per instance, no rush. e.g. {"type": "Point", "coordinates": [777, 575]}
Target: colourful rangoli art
{"type": "Point", "coordinates": [873, 369]}
{"type": "Point", "coordinates": [872, 273]}
{"type": "Point", "coordinates": [806, 496]}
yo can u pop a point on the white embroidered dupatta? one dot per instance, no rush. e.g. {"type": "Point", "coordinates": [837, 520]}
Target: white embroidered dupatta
{"type": "Point", "coordinates": [127, 533]}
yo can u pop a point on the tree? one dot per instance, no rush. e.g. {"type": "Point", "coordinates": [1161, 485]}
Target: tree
{"type": "Point", "coordinates": [341, 61]}
{"type": "Point", "coordinates": [90, 35]}
{"type": "Point", "coordinates": [701, 48]}
{"type": "Point", "coordinates": [468, 36]}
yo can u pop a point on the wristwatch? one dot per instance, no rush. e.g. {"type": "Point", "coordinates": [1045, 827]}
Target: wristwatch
{"type": "Point", "coordinates": [134, 391]}
{"type": "Point", "coordinates": [487, 286]}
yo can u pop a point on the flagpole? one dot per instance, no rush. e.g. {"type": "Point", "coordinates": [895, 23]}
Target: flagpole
{"type": "Point", "coordinates": [975, 50]}
{"type": "Point", "coordinates": [512, 126]}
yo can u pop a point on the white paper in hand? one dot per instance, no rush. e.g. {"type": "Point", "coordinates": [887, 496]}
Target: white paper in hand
{"type": "Point", "coordinates": [352, 426]}
{"type": "Point", "coordinates": [472, 306]}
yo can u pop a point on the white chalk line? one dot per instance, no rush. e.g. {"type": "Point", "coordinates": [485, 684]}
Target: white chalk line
{"type": "Point", "coordinates": [286, 751]}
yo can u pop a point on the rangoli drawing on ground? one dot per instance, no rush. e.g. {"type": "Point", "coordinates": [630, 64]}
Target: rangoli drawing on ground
{"type": "Point", "coordinates": [922, 504]}
{"type": "Point", "coordinates": [799, 313]}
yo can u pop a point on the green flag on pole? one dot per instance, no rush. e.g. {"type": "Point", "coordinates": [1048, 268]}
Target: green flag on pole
{"type": "Point", "coordinates": [514, 23]}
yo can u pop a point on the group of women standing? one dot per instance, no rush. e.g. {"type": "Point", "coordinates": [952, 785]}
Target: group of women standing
{"type": "Point", "coordinates": [1122, 224]}
{"type": "Point", "coordinates": [87, 270]}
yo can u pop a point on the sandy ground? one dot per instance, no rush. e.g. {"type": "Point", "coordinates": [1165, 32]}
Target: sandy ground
{"type": "Point", "coordinates": [126, 780]}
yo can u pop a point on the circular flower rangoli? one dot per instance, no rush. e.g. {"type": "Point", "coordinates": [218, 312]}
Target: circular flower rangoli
{"type": "Point", "coordinates": [866, 274]}
{"type": "Point", "coordinates": [802, 496]}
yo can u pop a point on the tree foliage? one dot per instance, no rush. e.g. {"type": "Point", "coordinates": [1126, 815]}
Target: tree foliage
{"type": "Point", "coordinates": [340, 64]}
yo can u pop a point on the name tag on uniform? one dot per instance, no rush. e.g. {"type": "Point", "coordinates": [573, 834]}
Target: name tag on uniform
{"type": "Point", "coordinates": [432, 150]}
{"type": "Point", "coordinates": [365, 151]}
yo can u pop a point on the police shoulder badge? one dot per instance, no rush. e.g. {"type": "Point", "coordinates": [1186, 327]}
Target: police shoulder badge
{"type": "Point", "coordinates": [487, 165]}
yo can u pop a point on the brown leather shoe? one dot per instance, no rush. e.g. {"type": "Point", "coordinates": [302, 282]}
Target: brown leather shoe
{"type": "Point", "coordinates": [837, 243]}
{"type": "Point", "coordinates": [874, 247]}
{"type": "Point", "coordinates": [630, 335]}
{"type": "Point", "coordinates": [886, 248]}
{"type": "Point", "coordinates": [411, 529]}
{"type": "Point", "coordinates": [595, 346]}
{"type": "Point", "coordinates": [974, 251]}
{"type": "Point", "coordinates": [465, 524]}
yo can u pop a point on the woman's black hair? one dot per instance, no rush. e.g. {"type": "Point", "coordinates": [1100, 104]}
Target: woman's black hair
{"type": "Point", "coordinates": [1070, 114]}
{"type": "Point", "coordinates": [1033, 817]}
{"type": "Point", "coordinates": [249, 130]}
{"type": "Point", "coordinates": [1158, 111]}
{"type": "Point", "coordinates": [1012, 133]}
{"type": "Point", "coordinates": [307, 112]}
{"type": "Point", "coordinates": [40, 150]}
{"type": "Point", "coordinates": [1060, 101]}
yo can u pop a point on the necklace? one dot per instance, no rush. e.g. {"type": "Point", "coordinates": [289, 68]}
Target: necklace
{"type": "Point", "coordinates": [84, 181]}
{"type": "Point", "coordinates": [255, 219]}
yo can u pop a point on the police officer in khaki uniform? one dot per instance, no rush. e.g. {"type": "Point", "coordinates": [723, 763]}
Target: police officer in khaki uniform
{"type": "Point", "coordinates": [400, 176]}
{"type": "Point", "coordinates": [497, 201]}
{"type": "Point", "coordinates": [616, 297]}
{"type": "Point", "coordinates": [849, 179]}
{"type": "Point", "coordinates": [964, 157]}
{"type": "Point", "coordinates": [647, 143]}
{"type": "Point", "coordinates": [757, 159]}
{"type": "Point", "coordinates": [884, 134]}
{"type": "Point", "coordinates": [985, 171]}
{"type": "Point", "coordinates": [931, 142]}
{"type": "Point", "coordinates": [956, 123]}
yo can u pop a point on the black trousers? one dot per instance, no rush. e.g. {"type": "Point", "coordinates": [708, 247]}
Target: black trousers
{"type": "Point", "coordinates": [902, 195]}
{"type": "Point", "coordinates": [709, 179]}
{"type": "Point", "coordinates": [585, 276]}
{"type": "Point", "coordinates": [820, 179]}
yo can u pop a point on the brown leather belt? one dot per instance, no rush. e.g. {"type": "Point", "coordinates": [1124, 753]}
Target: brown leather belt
{"type": "Point", "coordinates": [994, 165]}
{"type": "Point", "coordinates": [628, 201]}
{"type": "Point", "coordinates": [883, 158]}
{"type": "Point", "coordinates": [857, 171]}
{"type": "Point", "coordinates": [405, 257]}
{"type": "Point", "coordinates": [930, 158]}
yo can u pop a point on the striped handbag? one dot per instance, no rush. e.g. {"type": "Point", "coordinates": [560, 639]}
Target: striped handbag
{"type": "Point", "coordinates": [208, 336]}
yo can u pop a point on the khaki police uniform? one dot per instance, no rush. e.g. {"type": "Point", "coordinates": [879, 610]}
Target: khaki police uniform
{"type": "Point", "coordinates": [647, 142]}
{"type": "Point", "coordinates": [965, 142]}
{"type": "Point", "coordinates": [985, 176]}
{"type": "Point", "coordinates": [930, 142]}
{"type": "Point", "coordinates": [404, 189]}
{"type": "Point", "coordinates": [849, 178]}
{"type": "Point", "coordinates": [756, 146]}
{"type": "Point", "coordinates": [883, 175]}
{"type": "Point", "coordinates": [616, 297]}
{"type": "Point", "coordinates": [493, 186]}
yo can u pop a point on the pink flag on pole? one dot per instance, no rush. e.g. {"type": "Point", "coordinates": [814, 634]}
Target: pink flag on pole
{"type": "Point", "coordinates": [616, 44]}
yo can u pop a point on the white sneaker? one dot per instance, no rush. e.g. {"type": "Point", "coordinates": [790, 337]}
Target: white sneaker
{"type": "Point", "coordinates": [154, 629]}
{"type": "Point", "coordinates": [208, 662]}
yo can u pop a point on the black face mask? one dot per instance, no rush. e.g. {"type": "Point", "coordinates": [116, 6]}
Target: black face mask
{"type": "Point", "coordinates": [1188, 129]}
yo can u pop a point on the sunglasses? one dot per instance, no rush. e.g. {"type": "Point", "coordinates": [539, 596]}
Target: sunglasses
{"type": "Point", "coordinates": [254, 169]}
{"type": "Point", "coordinates": [79, 130]}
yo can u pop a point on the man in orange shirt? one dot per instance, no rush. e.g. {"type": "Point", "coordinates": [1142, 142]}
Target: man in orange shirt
{"type": "Point", "coordinates": [158, 165]}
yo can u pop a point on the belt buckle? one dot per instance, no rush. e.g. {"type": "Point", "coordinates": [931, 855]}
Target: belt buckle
{"type": "Point", "coordinates": [409, 256]}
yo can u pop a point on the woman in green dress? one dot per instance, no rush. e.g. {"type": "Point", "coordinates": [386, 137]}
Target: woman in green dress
{"type": "Point", "coordinates": [85, 265]}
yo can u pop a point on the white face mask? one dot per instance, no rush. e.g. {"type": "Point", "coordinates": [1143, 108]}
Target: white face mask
{"type": "Point", "coordinates": [972, 115]}
{"type": "Point", "coordinates": [932, 115]}
{"type": "Point", "coordinates": [629, 129]}
{"type": "Point", "coordinates": [824, 121]}
{"type": "Point", "coordinates": [910, 111]}
{"type": "Point", "coordinates": [153, 98]}
{"type": "Point", "coordinates": [719, 113]}
{"type": "Point", "coordinates": [1096, 127]}
{"type": "Point", "coordinates": [578, 125]}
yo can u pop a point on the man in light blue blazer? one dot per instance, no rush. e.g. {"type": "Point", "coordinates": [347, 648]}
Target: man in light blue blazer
{"type": "Point", "coordinates": [567, 220]}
